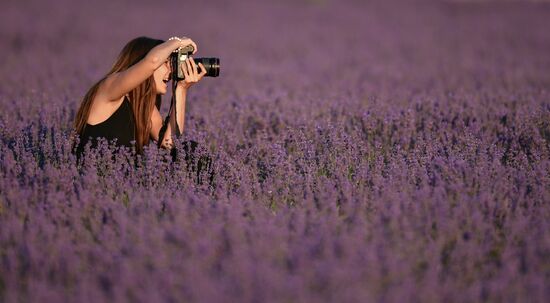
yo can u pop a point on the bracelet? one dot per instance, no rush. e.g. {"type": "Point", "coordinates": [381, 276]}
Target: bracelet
{"type": "Point", "coordinates": [176, 38]}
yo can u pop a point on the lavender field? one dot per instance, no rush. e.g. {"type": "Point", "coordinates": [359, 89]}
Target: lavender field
{"type": "Point", "coordinates": [363, 151]}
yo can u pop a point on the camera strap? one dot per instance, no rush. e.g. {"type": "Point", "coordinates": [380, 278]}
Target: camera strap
{"type": "Point", "coordinates": [166, 121]}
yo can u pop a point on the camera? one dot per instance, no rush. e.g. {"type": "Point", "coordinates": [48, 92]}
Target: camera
{"type": "Point", "coordinates": [212, 65]}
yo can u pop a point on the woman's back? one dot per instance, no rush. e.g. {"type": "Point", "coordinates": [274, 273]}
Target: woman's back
{"type": "Point", "coordinates": [120, 126]}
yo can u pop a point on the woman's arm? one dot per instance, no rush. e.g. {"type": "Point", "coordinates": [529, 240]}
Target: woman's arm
{"type": "Point", "coordinates": [156, 119]}
{"type": "Point", "coordinates": [119, 84]}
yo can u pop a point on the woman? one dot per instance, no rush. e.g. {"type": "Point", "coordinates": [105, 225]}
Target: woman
{"type": "Point", "coordinates": [124, 105]}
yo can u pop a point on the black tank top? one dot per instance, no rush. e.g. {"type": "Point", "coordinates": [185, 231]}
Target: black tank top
{"type": "Point", "coordinates": [120, 126]}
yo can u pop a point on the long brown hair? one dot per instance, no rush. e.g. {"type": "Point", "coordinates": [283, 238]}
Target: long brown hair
{"type": "Point", "coordinates": [140, 97]}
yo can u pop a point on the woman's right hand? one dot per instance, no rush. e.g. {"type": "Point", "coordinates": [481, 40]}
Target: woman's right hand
{"type": "Point", "coordinates": [183, 42]}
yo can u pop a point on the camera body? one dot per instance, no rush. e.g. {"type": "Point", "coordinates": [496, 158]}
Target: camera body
{"type": "Point", "coordinates": [212, 65]}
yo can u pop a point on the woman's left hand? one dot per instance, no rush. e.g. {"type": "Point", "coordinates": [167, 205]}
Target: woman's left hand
{"type": "Point", "coordinates": [191, 73]}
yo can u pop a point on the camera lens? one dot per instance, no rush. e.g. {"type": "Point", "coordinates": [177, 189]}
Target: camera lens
{"type": "Point", "coordinates": [212, 66]}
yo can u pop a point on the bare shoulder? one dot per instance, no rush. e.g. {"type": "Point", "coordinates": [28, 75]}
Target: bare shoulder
{"type": "Point", "coordinates": [101, 93]}
{"type": "Point", "coordinates": [102, 108]}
